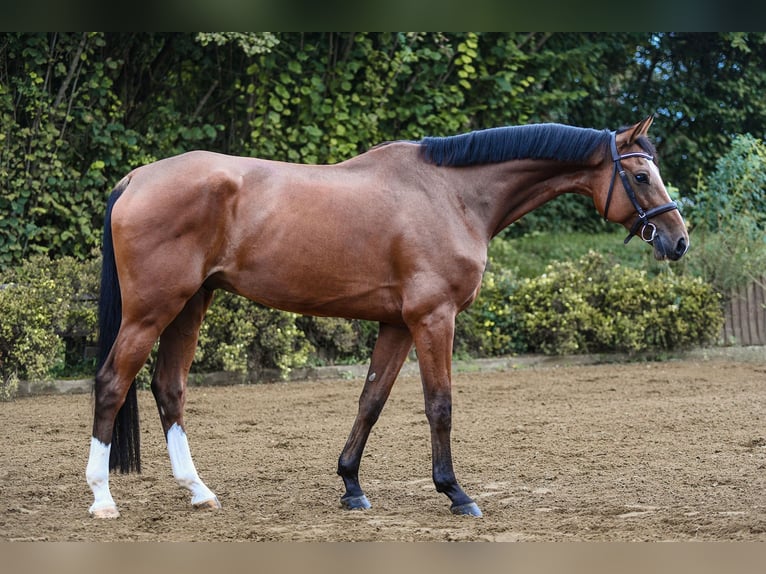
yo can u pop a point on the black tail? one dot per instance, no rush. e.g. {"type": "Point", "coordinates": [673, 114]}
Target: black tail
{"type": "Point", "coordinates": [125, 452]}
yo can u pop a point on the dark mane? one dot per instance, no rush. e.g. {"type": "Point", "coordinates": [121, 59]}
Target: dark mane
{"type": "Point", "coordinates": [536, 141]}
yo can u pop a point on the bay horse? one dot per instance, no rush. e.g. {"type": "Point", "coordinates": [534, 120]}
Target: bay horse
{"type": "Point", "coordinates": [397, 235]}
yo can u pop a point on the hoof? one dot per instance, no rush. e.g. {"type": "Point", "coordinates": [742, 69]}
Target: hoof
{"type": "Point", "coordinates": [210, 504]}
{"type": "Point", "coordinates": [355, 502]}
{"type": "Point", "coordinates": [467, 509]}
{"type": "Point", "coordinates": [107, 512]}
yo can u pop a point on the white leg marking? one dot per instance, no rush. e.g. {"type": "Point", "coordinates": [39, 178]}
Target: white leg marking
{"type": "Point", "coordinates": [97, 475]}
{"type": "Point", "coordinates": [184, 471]}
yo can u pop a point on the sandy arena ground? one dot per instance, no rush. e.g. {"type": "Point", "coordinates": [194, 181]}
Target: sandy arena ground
{"type": "Point", "coordinates": [644, 451]}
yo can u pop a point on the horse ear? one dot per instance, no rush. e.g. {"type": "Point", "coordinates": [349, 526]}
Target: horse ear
{"type": "Point", "coordinates": [640, 129]}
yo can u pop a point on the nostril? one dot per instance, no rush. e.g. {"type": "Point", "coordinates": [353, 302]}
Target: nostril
{"type": "Point", "coordinates": [681, 247]}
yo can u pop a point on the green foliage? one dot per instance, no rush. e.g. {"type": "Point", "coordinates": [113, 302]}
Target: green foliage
{"type": "Point", "coordinates": [736, 189]}
{"type": "Point", "coordinates": [68, 290]}
{"type": "Point", "coordinates": [704, 88]}
{"type": "Point", "coordinates": [338, 341]}
{"type": "Point", "coordinates": [49, 313]}
{"type": "Point", "coordinates": [489, 327]}
{"type": "Point", "coordinates": [323, 98]}
{"type": "Point", "coordinates": [586, 305]}
{"type": "Point", "coordinates": [727, 259]}
{"type": "Point", "coordinates": [590, 305]}
{"type": "Point", "coordinates": [251, 43]}
{"type": "Point", "coordinates": [728, 218]}
{"type": "Point", "coordinates": [529, 255]}
{"type": "Point", "coordinates": [58, 139]}
{"type": "Point", "coordinates": [568, 213]}
{"type": "Point", "coordinates": [239, 335]}
{"type": "Point", "coordinates": [28, 345]}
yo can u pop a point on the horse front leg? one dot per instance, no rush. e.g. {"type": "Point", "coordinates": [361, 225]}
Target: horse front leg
{"type": "Point", "coordinates": [391, 348]}
{"type": "Point", "coordinates": [433, 335]}
{"type": "Point", "coordinates": [176, 351]}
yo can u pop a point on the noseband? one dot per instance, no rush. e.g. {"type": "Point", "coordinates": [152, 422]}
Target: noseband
{"type": "Point", "coordinates": [647, 229]}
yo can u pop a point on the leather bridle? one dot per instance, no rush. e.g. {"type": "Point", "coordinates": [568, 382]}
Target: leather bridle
{"type": "Point", "coordinates": [642, 223]}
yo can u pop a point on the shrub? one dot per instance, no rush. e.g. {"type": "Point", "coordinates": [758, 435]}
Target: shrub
{"type": "Point", "coordinates": [28, 345]}
{"type": "Point", "coordinates": [48, 310]}
{"type": "Point", "coordinates": [736, 187]}
{"type": "Point", "coordinates": [728, 217]}
{"type": "Point", "coordinates": [338, 341]}
{"type": "Point", "coordinates": [489, 327]}
{"type": "Point", "coordinates": [49, 315]}
{"type": "Point", "coordinates": [239, 335]}
{"type": "Point", "coordinates": [67, 293]}
{"type": "Point", "coordinates": [590, 305]}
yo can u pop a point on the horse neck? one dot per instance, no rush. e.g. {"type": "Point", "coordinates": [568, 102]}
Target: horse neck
{"type": "Point", "coordinates": [503, 193]}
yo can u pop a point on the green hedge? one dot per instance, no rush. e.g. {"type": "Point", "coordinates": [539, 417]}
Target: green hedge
{"type": "Point", "coordinates": [49, 312]}
{"type": "Point", "coordinates": [241, 336]}
{"type": "Point", "coordinates": [28, 346]}
{"type": "Point", "coordinates": [590, 305]}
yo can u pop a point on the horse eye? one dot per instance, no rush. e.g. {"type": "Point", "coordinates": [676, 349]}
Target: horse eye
{"type": "Point", "coordinates": [642, 178]}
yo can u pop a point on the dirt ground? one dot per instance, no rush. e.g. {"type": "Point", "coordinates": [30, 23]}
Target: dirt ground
{"type": "Point", "coordinates": [644, 451]}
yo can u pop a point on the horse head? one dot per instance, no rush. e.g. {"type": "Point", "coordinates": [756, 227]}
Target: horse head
{"type": "Point", "coordinates": [643, 205]}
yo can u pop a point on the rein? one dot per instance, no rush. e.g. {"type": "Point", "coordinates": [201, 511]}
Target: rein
{"type": "Point", "coordinates": [643, 216]}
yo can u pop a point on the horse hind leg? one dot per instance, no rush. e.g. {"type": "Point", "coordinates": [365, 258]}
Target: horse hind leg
{"type": "Point", "coordinates": [391, 348]}
{"type": "Point", "coordinates": [174, 358]}
{"type": "Point", "coordinates": [129, 352]}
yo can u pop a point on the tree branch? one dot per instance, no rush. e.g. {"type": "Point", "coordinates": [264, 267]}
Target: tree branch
{"type": "Point", "coordinates": [204, 100]}
{"type": "Point", "coordinates": [72, 69]}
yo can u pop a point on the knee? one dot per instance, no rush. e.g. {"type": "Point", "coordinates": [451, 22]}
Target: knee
{"type": "Point", "coordinates": [439, 414]}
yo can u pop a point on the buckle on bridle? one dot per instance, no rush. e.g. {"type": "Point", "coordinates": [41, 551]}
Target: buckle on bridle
{"type": "Point", "coordinates": [653, 232]}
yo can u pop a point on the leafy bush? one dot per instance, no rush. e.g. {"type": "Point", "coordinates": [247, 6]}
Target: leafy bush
{"type": "Point", "coordinates": [338, 341]}
{"type": "Point", "coordinates": [489, 327]}
{"type": "Point", "coordinates": [28, 345]}
{"type": "Point", "coordinates": [728, 218]}
{"type": "Point", "coordinates": [79, 110]}
{"type": "Point", "coordinates": [48, 310]}
{"type": "Point", "coordinates": [590, 305]}
{"type": "Point", "coordinates": [239, 335]}
{"type": "Point", "coordinates": [61, 141]}
{"type": "Point", "coordinates": [49, 315]}
{"type": "Point", "coordinates": [529, 255]}
{"type": "Point", "coordinates": [67, 293]}
{"type": "Point", "coordinates": [735, 189]}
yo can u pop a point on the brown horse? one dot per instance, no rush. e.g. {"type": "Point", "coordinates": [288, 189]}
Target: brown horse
{"type": "Point", "coordinates": [396, 235]}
